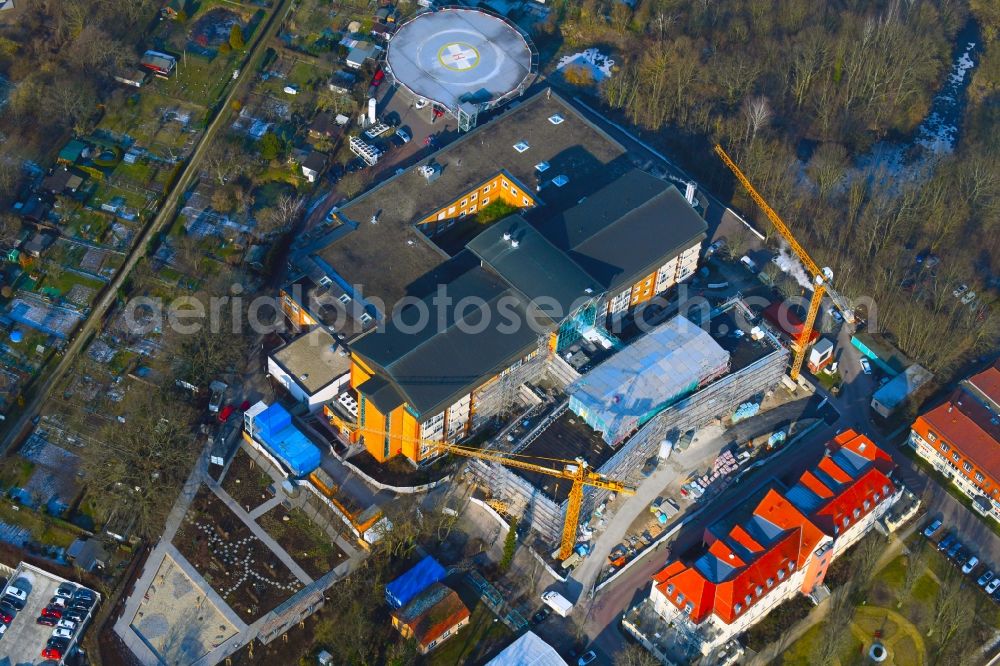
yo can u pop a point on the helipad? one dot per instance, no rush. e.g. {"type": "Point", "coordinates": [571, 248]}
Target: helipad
{"type": "Point", "coordinates": [453, 56]}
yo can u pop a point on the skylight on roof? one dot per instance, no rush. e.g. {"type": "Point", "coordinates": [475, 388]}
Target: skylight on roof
{"type": "Point", "coordinates": [556, 119]}
{"type": "Point", "coordinates": [560, 180]}
{"type": "Point", "coordinates": [542, 167]}
{"type": "Point", "coordinates": [521, 146]}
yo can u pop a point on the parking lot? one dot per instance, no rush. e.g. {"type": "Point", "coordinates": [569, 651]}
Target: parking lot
{"type": "Point", "coordinates": [25, 639]}
{"type": "Point", "coordinates": [963, 556]}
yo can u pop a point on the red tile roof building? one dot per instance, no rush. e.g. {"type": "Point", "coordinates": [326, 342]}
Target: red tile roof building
{"type": "Point", "coordinates": [432, 617]}
{"type": "Point", "coordinates": [783, 546]}
{"type": "Point", "coordinates": [961, 438]}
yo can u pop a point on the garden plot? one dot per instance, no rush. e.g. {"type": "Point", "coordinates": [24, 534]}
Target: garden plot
{"type": "Point", "coordinates": [177, 619]}
{"type": "Point", "coordinates": [54, 480]}
{"type": "Point", "coordinates": [301, 538]}
{"type": "Point", "coordinates": [247, 482]}
{"type": "Point", "coordinates": [239, 566]}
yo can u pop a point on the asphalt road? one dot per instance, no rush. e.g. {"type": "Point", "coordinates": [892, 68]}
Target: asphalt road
{"type": "Point", "coordinates": [20, 427]}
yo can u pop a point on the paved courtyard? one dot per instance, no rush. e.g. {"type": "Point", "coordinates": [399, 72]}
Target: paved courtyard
{"type": "Point", "coordinates": [178, 620]}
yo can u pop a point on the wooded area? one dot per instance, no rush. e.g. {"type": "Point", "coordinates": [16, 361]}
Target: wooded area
{"type": "Point", "coordinates": [799, 93]}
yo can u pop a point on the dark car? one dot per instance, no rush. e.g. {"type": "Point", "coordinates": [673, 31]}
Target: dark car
{"type": "Point", "coordinates": [355, 165]}
{"type": "Point", "coordinates": [74, 615]}
{"type": "Point", "coordinates": [58, 643]}
{"type": "Point", "coordinates": [946, 542]}
{"type": "Point", "coordinates": [541, 615]}
{"type": "Point", "coordinates": [84, 593]}
{"type": "Point", "coordinates": [47, 621]}
{"type": "Point", "coordinates": [8, 608]}
{"type": "Point", "coordinates": [7, 617]}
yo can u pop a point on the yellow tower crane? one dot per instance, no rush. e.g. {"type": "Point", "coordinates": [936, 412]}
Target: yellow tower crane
{"type": "Point", "coordinates": [821, 277]}
{"type": "Point", "coordinates": [577, 471]}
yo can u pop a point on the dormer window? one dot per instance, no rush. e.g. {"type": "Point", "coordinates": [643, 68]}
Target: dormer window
{"type": "Point", "coordinates": [680, 598]}
{"type": "Point", "coordinates": [737, 608]}
{"type": "Point", "coordinates": [521, 146]}
{"type": "Point", "coordinates": [791, 567]}
{"type": "Point", "coordinates": [759, 590]}
{"type": "Point", "coordinates": [867, 505]}
{"type": "Point", "coordinates": [748, 599]}
{"type": "Point", "coordinates": [846, 521]}
{"type": "Point", "coordinates": [781, 574]}
{"type": "Point", "coordinates": [670, 588]}
{"type": "Point", "coordinates": [770, 583]}
{"type": "Point", "coordinates": [856, 513]}
{"type": "Point", "coordinates": [885, 489]}
{"type": "Point", "coordinates": [689, 608]}
{"type": "Point", "coordinates": [344, 298]}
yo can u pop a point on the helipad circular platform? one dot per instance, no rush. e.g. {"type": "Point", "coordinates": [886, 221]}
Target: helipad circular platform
{"type": "Point", "coordinates": [452, 56]}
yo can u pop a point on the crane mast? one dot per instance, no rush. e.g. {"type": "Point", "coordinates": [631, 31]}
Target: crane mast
{"type": "Point", "coordinates": [820, 277]}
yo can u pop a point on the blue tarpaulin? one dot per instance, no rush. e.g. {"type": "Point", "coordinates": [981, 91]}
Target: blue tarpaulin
{"type": "Point", "coordinates": [273, 428]}
{"type": "Point", "coordinates": [401, 591]}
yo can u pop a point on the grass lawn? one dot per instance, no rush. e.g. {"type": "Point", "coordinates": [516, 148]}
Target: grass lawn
{"type": "Point", "coordinates": [15, 472]}
{"type": "Point", "coordinates": [800, 652]}
{"type": "Point", "coordinates": [473, 642]}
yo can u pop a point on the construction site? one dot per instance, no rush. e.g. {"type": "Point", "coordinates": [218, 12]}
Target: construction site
{"type": "Point", "coordinates": [739, 360]}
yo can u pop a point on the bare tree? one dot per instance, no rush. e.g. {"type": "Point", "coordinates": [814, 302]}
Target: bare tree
{"type": "Point", "coordinates": [635, 655]}
{"type": "Point", "coordinates": [280, 217]}
{"type": "Point", "coordinates": [916, 564]}
{"type": "Point", "coordinates": [141, 464]}
{"type": "Point", "coordinates": [757, 111]}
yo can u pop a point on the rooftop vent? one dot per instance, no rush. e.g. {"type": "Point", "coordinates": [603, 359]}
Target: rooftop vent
{"type": "Point", "coordinates": [515, 243]}
{"type": "Point", "coordinates": [542, 167]}
{"type": "Point", "coordinates": [560, 180]}
{"type": "Point", "coordinates": [521, 146]}
{"type": "Point", "coordinates": [556, 119]}
{"type": "Point", "coordinates": [430, 172]}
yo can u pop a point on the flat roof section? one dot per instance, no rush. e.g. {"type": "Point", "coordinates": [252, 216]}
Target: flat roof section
{"type": "Point", "coordinates": [314, 359]}
{"type": "Point", "coordinates": [388, 257]}
{"type": "Point", "coordinates": [567, 438]}
{"type": "Point", "coordinates": [456, 55]}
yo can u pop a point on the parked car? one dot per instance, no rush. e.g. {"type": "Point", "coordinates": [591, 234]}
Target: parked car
{"type": "Point", "coordinates": [985, 578]}
{"type": "Point", "coordinates": [52, 611]}
{"type": "Point", "coordinates": [225, 413]}
{"type": "Point", "coordinates": [932, 528]}
{"type": "Point", "coordinates": [61, 632]}
{"type": "Point", "coordinates": [6, 617]}
{"type": "Point", "coordinates": [66, 590]}
{"type": "Point", "coordinates": [3, 630]}
{"type": "Point", "coordinates": [52, 653]}
{"type": "Point", "coordinates": [992, 586]}
{"type": "Point", "coordinates": [541, 615]}
{"type": "Point", "coordinates": [946, 542]}
{"type": "Point", "coordinates": [588, 657]}
{"type": "Point", "coordinates": [866, 367]}
{"type": "Point", "coordinates": [968, 298]}
{"type": "Point", "coordinates": [46, 620]}
{"type": "Point", "coordinates": [15, 597]}
{"type": "Point", "coordinates": [403, 134]}
{"type": "Point", "coordinates": [75, 615]}
{"type": "Point", "coordinates": [66, 624]}
{"type": "Point", "coordinates": [959, 290]}
{"type": "Point", "coordinates": [748, 263]}
{"type": "Point", "coordinates": [955, 549]}
{"type": "Point", "coordinates": [971, 564]}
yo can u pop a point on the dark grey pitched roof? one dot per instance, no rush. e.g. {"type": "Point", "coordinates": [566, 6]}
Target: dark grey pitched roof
{"type": "Point", "coordinates": [457, 349]}
{"type": "Point", "coordinates": [535, 267]}
{"type": "Point", "coordinates": [381, 393]}
{"type": "Point", "coordinates": [624, 231]}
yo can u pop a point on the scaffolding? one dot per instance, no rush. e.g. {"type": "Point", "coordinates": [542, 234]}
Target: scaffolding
{"type": "Point", "coordinates": [713, 401]}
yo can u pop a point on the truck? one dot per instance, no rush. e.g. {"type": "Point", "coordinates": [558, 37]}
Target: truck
{"type": "Point", "coordinates": [558, 603]}
{"type": "Point", "coordinates": [218, 395]}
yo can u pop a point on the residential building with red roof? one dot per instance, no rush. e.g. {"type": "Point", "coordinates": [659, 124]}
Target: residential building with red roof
{"type": "Point", "coordinates": [435, 615]}
{"type": "Point", "coordinates": [756, 559]}
{"type": "Point", "coordinates": [961, 438]}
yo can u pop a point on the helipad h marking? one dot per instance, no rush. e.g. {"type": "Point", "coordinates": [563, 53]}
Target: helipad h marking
{"type": "Point", "coordinates": [458, 56]}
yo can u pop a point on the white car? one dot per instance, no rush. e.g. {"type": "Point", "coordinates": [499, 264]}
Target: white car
{"type": "Point", "coordinates": [67, 624]}
{"type": "Point", "coordinates": [970, 565]}
{"type": "Point", "coordinates": [992, 586]}
{"type": "Point", "coordinates": [866, 367]}
{"type": "Point", "coordinates": [968, 298]}
{"type": "Point", "coordinates": [985, 579]}
{"type": "Point", "coordinates": [959, 290]}
{"type": "Point", "coordinates": [62, 633]}
{"type": "Point", "coordinates": [401, 133]}
{"type": "Point", "coordinates": [420, 103]}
